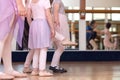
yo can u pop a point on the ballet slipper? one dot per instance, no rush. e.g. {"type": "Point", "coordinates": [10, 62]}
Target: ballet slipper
{"type": "Point", "coordinates": [68, 43]}
{"type": "Point", "coordinates": [17, 74]}
{"type": "Point", "coordinates": [45, 74]}
{"type": "Point", "coordinates": [34, 73]}
{"type": "Point", "coordinates": [4, 76]}
{"type": "Point", "coordinates": [27, 70]}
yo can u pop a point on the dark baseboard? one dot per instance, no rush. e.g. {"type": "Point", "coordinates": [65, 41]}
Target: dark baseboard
{"type": "Point", "coordinates": [74, 56]}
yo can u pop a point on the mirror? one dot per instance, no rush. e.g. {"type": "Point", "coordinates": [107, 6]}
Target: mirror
{"type": "Point", "coordinates": [73, 20]}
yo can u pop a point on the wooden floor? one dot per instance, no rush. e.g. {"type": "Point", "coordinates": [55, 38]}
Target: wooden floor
{"type": "Point", "coordinates": [80, 71]}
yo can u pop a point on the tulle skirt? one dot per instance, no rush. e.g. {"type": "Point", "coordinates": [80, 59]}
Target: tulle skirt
{"type": "Point", "coordinates": [107, 43]}
{"type": "Point", "coordinates": [63, 29]}
{"type": "Point", "coordinates": [8, 9]}
{"type": "Point", "coordinates": [39, 34]}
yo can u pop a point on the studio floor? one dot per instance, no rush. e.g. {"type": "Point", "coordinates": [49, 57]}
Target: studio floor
{"type": "Point", "coordinates": [79, 71]}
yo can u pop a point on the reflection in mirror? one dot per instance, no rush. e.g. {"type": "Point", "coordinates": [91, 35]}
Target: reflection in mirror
{"type": "Point", "coordinates": [106, 39]}
{"type": "Point", "coordinates": [101, 20]}
{"type": "Point", "coordinates": [73, 21]}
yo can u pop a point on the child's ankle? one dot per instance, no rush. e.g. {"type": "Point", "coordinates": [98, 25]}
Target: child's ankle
{"type": "Point", "coordinates": [35, 69]}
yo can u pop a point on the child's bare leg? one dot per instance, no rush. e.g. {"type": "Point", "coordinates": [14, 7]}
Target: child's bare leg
{"type": "Point", "coordinates": [111, 48]}
{"type": "Point", "coordinates": [115, 43]}
{"type": "Point", "coordinates": [94, 45]}
{"type": "Point", "coordinates": [105, 48]}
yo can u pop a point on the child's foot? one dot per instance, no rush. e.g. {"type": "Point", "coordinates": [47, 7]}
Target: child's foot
{"type": "Point", "coordinates": [4, 76]}
{"type": "Point", "coordinates": [27, 70]}
{"type": "Point", "coordinates": [45, 74]}
{"type": "Point", "coordinates": [57, 69]}
{"type": "Point", "coordinates": [17, 74]}
{"type": "Point", "coordinates": [34, 73]}
{"type": "Point", "coordinates": [68, 43]}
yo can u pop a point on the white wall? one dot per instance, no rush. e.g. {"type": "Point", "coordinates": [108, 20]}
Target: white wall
{"type": "Point", "coordinates": [94, 3]}
{"type": "Point", "coordinates": [71, 3]}
{"type": "Point", "coordinates": [103, 3]}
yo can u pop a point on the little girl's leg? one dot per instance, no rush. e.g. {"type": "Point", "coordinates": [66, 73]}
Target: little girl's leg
{"type": "Point", "coordinates": [28, 62]}
{"type": "Point", "coordinates": [55, 64]}
{"type": "Point", "coordinates": [64, 41]}
{"type": "Point", "coordinates": [94, 45]}
{"type": "Point", "coordinates": [35, 62]}
{"type": "Point", "coordinates": [105, 48]}
{"type": "Point", "coordinates": [58, 52]}
{"type": "Point", "coordinates": [59, 36]}
{"type": "Point", "coordinates": [115, 43]}
{"type": "Point", "coordinates": [42, 63]}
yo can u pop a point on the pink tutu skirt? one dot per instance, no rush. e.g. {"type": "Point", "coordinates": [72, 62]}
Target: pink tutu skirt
{"type": "Point", "coordinates": [107, 43]}
{"type": "Point", "coordinates": [8, 9]}
{"type": "Point", "coordinates": [39, 34]}
{"type": "Point", "coordinates": [63, 29]}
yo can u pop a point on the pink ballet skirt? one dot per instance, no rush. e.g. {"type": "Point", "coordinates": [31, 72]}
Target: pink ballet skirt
{"type": "Point", "coordinates": [63, 29]}
{"type": "Point", "coordinates": [108, 44]}
{"type": "Point", "coordinates": [106, 40]}
{"type": "Point", "coordinates": [8, 8]}
{"type": "Point", "coordinates": [39, 34]}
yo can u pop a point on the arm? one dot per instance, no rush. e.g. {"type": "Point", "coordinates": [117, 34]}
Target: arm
{"type": "Point", "coordinates": [56, 14]}
{"type": "Point", "coordinates": [21, 8]}
{"type": "Point", "coordinates": [111, 38]}
{"type": "Point", "coordinates": [102, 32]}
{"type": "Point", "coordinates": [50, 21]}
{"type": "Point", "coordinates": [99, 31]}
{"type": "Point", "coordinates": [29, 14]}
{"type": "Point", "coordinates": [88, 31]}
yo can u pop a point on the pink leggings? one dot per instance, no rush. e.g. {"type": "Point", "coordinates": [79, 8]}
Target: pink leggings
{"type": "Point", "coordinates": [39, 58]}
{"type": "Point", "coordinates": [56, 56]}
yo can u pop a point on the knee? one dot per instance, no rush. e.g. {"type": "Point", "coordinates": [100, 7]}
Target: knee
{"type": "Point", "coordinates": [61, 48]}
{"type": "Point", "coordinates": [36, 51]}
{"type": "Point", "coordinates": [43, 49]}
{"type": "Point", "coordinates": [96, 47]}
{"type": "Point", "coordinates": [2, 43]}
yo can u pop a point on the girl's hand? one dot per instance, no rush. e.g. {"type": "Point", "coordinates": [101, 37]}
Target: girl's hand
{"type": "Point", "coordinates": [22, 10]}
{"type": "Point", "coordinates": [56, 7]}
{"type": "Point", "coordinates": [52, 33]}
{"type": "Point", "coordinates": [57, 23]}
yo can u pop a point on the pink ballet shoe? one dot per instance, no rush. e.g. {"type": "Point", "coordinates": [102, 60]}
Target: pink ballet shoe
{"type": "Point", "coordinates": [34, 73]}
{"type": "Point", "coordinates": [4, 76]}
{"type": "Point", "coordinates": [17, 74]}
{"type": "Point", "coordinates": [45, 74]}
{"type": "Point", "coordinates": [27, 70]}
{"type": "Point", "coordinates": [68, 43]}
